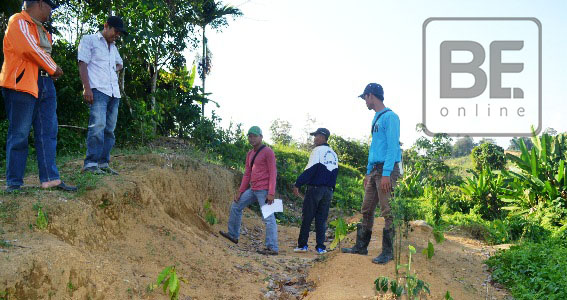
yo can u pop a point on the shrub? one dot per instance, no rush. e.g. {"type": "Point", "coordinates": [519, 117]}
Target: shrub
{"type": "Point", "coordinates": [532, 270]}
{"type": "Point", "coordinates": [488, 155]}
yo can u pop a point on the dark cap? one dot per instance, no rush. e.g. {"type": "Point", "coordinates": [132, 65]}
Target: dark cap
{"type": "Point", "coordinates": [116, 22]}
{"type": "Point", "coordinates": [375, 89]}
{"type": "Point", "coordinates": [51, 3]}
{"type": "Point", "coordinates": [323, 131]}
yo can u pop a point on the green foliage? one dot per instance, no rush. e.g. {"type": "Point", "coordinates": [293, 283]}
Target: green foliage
{"type": "Point", "coordinates": [408, 283]}
{"type": "Point", "coordinates": [41, 221]}
{"type": "Point", "coordinates": [484, 189]}
{"type": "Point", "coordinates": [170, 281]}
{"type": "Point", "coordinates": [488, 155]}
{"type": "Point", "coordinates": [350, 152]}
{"type": "Point", "coordinates": [515, 143]}
{"type": "Point", "coordinates": [340, 232]}
{"type": "Point", "coordinates": [429, 251]}
{"type": "Point", "coordinates": [448, 296]}
{"type": "Point", "coordinates": [542, 181]}
{"type": "Point", "coordinates": [463, 147]}
{"type": "Point", "coordinates": [532, 270]}
{"type": "Point", "coordinates": [280, 130]}
{"type": "Point", "coordinates": [210, 216]}
{"type": "Point", "coordinates": [425, 163]}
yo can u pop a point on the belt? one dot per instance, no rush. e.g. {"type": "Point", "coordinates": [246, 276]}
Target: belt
{"type": "Point", "coordinates": [43, 73]}
{"type": "Point", "coordinates": [381, 165]}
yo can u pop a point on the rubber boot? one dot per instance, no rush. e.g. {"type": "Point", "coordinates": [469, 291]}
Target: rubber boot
{"type": "Point", "coordinates": [387, 247]}
{"type": "Point", "coordinates": [362, 240]}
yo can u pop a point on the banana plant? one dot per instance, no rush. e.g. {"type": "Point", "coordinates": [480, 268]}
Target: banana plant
{"type": "Point", "coordinates": [543, 173]}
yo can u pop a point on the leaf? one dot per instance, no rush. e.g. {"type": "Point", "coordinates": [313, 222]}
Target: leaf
{"type": "Point", "coordinates": [173, 283]}
{"type": "Point", "coordinates": [429, 251]}
{"type": "Point", "coordinates": [381, 284]}
{"type": "Point", "coordinates": [411, 249]}
{"type": "Point", "coordinates": [448, 296]}
{"type": "Point", "coordinates": [41, 220]}
{"type": "Point", "coordinates": [396, 289]}
{"type": "Point", "coordinates": [439, 236]}
{"type": "Point", "coordinates": [165, 285]}
{"type": "Point", "coordinates": [163, 275]}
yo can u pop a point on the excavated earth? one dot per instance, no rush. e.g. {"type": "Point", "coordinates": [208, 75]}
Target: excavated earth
{"type": "Point", "coordinates": [111, 242]}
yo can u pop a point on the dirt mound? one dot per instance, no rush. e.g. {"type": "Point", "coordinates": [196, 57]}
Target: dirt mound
{"type": "Point", "coordinates": [113, 241]}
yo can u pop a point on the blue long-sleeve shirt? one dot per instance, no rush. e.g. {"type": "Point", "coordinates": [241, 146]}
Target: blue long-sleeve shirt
{"type": "Point", "coordinates": [322, 168]}
{"type": "Point", "coordinates": [385, 146]}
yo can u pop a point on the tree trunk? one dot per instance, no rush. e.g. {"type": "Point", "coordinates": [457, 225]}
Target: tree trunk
{"type": "Point", "coordinates": [204, 73]}
{"type": "Point", "coordinates": [153, 90]}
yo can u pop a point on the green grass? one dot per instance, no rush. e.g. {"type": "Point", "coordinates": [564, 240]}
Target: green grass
{"type": "Point", "coordinates": [533, 271]}
{"type": "Point", "coordinates": [8, 208]}
{"type": "Point", "coordinates": [461, 165]}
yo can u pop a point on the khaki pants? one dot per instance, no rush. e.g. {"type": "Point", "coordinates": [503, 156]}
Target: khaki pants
{"type": "Point", "coordinates": [373, 194]}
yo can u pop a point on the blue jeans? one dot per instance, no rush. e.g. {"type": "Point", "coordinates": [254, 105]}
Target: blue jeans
{"type": "Point", "coordinates": [102, 122]}
{"type": "Point", "coordinates": [315, 205]}
{"type": "Point", "coordinates": [235, 218]}
{"type": "Point", "coordinates": [24, 111]}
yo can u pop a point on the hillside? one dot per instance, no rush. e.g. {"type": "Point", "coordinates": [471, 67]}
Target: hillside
{"type": "Point", "coordinates": [111, 242]}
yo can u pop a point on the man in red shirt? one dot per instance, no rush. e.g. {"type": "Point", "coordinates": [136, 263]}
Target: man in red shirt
{"type": "Point", "coordinates": [258, 183]}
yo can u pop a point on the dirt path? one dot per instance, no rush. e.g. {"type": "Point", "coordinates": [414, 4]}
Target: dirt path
{"type": "Point", "coordinates": [457, 267]}
{"type": "Point", "coordinates": [112, 242]}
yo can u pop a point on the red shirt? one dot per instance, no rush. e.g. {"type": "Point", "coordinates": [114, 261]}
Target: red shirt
{"type": "Point", "coordinates": [261, 176]}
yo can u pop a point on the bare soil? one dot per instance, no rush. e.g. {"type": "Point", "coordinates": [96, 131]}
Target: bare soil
{"type": "Point", "coordinates": [112, 242]}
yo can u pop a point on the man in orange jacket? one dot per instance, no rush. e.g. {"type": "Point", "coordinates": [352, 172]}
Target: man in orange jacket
{"type": "Point", "coordinates": [29, 95]}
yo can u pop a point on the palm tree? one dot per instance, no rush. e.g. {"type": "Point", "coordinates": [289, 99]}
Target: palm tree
{"type": "Point", "coordinates": [213, 14]}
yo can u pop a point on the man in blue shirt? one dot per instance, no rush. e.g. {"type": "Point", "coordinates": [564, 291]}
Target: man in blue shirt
{"type": "Point", "coordinates": [381, 174]}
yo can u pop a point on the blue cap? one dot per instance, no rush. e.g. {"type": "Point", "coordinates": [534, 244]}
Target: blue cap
{"type": "Point", "coordinates": [374, 89]}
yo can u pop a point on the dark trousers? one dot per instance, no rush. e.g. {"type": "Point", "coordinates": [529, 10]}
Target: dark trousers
{"type": "Point", "coordinates": [315, 205]}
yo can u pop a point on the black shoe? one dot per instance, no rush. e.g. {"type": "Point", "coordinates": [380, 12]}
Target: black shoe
{"type": "Point", "coordinates": [68, 188]}
{"type": "Point", "coordinates": [13, 188]}
{"type": "Point", "coordinates": [268, 251]}
{"type": "Point", "coordinates": [387, 247]}
{"type": "Point", "coordinates": [227, 235]}
{"type": "Point", "coordinates": [109, 170]}
{"type": "Point", "coordinates": [93, 170]}
{"type": "Point", "coordinates": [362, 240]}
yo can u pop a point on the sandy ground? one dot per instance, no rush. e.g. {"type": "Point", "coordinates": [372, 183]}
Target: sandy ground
{"type": "Point", "coordinates": [112, 242]}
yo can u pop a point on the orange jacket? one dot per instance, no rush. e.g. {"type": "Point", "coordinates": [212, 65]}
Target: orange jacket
{"type": "Point", "coordinates": [23, 56]}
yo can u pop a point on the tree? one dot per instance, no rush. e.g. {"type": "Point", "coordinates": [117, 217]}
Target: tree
{"type": "Point", "coordinates": [463, 146]}
{"type": "Point", "coordinates": [489, 155]}
{"type": "Point", "coordinates": [550, 131]}
{"type": "Point", "coordinates": [213, 14]}
{"type": "Point", "coordinates": [351, 152]}
{"type": "Point", "coordinates": [280, 130]}
{"type": "Point", "coordinates": [515, 143]}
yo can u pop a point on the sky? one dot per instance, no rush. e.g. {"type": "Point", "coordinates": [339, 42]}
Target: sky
{"type": "Point", "coordinates": [290, 59]}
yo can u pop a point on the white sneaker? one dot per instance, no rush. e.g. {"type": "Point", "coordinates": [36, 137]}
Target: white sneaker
{"type": "Point", "coordinates": [300, 250]}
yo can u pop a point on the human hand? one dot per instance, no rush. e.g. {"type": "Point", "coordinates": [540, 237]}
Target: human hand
{"type": "Point", "coordinates": [270, 199]}
{"type": "Point", "coordinates": [237, 197]}
{"type": "Point", "coordinates": [88, 96]}
{"type": "Point", "coordinates": [58, 73]}
{"type": "Point", "coordinates": [385, 184]}
{"type": "Point", "coordinates": [296, 192]}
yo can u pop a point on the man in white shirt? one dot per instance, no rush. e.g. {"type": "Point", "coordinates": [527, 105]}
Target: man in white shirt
{"type": "Point", "coordinates": [99, 61]}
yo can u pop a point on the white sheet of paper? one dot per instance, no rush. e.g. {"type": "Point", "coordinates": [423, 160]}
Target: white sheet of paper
{"type": "Point", "coordinates": [277, 206]}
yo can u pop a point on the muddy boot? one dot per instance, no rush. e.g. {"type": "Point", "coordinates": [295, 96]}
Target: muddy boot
{"type": "Point", "coordinates": [387, 247]}
{"type": "Point", "coordinates": [362, 240]}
